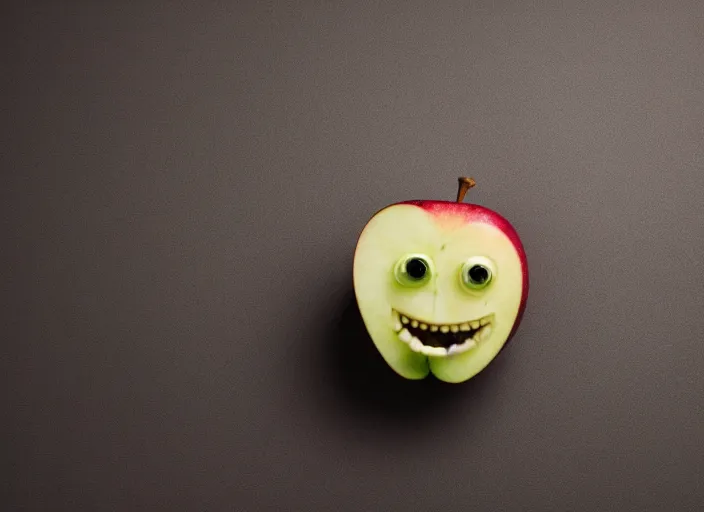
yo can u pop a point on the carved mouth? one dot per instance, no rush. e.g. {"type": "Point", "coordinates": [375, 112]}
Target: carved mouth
{"type": "Point", "coordinates": [441, 340]}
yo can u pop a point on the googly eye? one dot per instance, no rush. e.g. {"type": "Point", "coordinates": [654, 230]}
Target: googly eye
{"type": "Point", "coordinates": [477, 273]}
{"type": "Point", "coordinates": [413, 270]}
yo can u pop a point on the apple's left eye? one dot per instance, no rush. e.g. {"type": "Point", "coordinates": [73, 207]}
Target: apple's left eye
{"type": "Point", "coordinates": [413, 270]}
{"type": "Point", "coordinates": [477, 273]}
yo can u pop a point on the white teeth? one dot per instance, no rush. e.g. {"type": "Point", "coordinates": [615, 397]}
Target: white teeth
{"type": "Point", "coordinates": [464, 347]}
{"type": "Point", "coordinates": [405, 336]}
{"type": "Point", "coordinates": [426, 350]}
{"type": "Point", "coordinates": [483, 327]}
{"type": "Point", "coordinates": [468, 344]}
{"type": "Point", "coordinates": [457, 349]}
{"type": "Point", "coordinates": [397, 321]}
{"type": "Point", "coordinates": [434, 351]}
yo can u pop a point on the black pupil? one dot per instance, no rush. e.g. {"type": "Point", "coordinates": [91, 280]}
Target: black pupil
{"type": "Point", "coordinates": [478, 274]}
{"type": "Point", "coordinates": [416, 268]}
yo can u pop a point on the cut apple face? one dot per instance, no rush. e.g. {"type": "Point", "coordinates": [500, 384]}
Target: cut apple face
{"type": "Point", "coordinates": [440, 286]}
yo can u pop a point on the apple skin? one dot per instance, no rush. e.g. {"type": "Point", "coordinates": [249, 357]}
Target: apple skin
{"type": "Point", "coordinates": [403, 361]}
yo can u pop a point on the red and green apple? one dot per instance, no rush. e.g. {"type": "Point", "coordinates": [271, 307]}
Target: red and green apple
{"type": "Point", "coordinates": [441, 285]}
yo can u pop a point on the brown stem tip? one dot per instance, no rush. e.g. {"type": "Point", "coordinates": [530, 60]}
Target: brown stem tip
{"type": "Point", "coordinates": [465, 185]}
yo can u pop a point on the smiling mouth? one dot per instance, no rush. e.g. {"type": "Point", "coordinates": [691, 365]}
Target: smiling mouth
{"type": "Point", "coordinates": [441, 340]}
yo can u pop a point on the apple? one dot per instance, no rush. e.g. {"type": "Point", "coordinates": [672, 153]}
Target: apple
{"type": "Point", "coordinates": [441, 285]}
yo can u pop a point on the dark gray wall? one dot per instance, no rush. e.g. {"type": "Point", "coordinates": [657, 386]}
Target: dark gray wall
{"type": "Point", "coordinates": [182, 189]}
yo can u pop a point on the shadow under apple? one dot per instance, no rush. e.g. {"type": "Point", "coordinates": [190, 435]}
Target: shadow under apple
{"type": "Point", "coordinates": [364, 384]}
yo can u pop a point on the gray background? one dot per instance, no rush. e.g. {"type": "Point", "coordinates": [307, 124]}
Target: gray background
{"type": "Point", "coordinates": [182, 190]}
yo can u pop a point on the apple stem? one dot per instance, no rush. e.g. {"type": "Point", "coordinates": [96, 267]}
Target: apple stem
{"type": "Point", "coordinates": [465, 185]}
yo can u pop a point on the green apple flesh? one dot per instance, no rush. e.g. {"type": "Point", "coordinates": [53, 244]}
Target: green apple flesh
{"type": "Point", "coordinates": [445, 321]}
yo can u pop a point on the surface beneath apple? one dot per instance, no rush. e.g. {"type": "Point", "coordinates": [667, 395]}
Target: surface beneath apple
{"type": "Point", "coordinates": [441, 287]}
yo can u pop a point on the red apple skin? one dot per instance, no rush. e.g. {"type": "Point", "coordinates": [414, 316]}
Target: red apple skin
{"type": "Point", "coordinates": [474, 213]}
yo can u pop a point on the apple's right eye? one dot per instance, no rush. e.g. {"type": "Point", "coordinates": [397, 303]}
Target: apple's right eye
{"type": "Point", "coordinates": [477, 273]}
{"type": "Point", "coordinates": [413, 270]}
